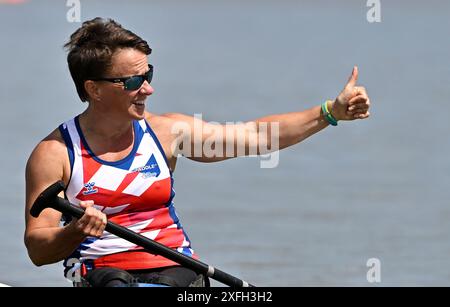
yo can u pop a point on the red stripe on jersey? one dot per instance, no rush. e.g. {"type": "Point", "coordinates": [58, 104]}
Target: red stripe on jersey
{"type": "Point", "coordinates": [135, 260]}
{"type": "Point", "coordinates": [162, 220]}
{"type": "Point", "coordinates": [90, 166]}
{"type": "Point", "coordinates": [171, 237]}
{"type": "Point", "coordinates": [156, 196]}
{"type": "Point", "coordinates": [117, 194]}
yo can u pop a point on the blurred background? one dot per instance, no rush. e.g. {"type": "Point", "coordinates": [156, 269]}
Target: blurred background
{"type": "Point", "coordinates": [378, 188]}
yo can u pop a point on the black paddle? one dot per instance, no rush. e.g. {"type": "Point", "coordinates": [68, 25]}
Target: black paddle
{"type": "Point", "coordinates": [50, 199]}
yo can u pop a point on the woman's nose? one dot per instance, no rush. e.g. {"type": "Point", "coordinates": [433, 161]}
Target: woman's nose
{"type": "Point", "coordinates": [146, 88]}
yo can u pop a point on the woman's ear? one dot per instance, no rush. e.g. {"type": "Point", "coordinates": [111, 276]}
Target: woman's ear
{"type": "Point", "coordinates": [92, 89]}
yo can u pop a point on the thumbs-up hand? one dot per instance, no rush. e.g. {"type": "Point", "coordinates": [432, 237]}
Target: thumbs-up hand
{"type": "Point", "coordinates": [353, 102]}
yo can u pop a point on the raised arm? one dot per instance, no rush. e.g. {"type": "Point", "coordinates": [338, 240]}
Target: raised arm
{"type": "Point", "coordinates": [352, 103]}
{"type": "Point", "coordinates": [207, 142]}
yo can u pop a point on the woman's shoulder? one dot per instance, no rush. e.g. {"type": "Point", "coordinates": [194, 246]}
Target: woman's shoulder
{"type": "Point", "coordinates": [49, 155]}
{"type": "Point", "coordinates": [165, 120]}
{"type": "Point", "coordinates": [52, 145]}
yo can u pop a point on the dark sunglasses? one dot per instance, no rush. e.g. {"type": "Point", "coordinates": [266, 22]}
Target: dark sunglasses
{"type": "Point", "coordinates": [131, 83]}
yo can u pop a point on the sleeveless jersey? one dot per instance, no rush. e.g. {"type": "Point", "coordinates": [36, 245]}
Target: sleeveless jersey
{"type": "Point", "coordinates": [135, 192]}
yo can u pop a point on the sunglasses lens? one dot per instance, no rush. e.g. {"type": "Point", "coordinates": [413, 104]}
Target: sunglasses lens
{"type": "Point", "coordinates": [150, 75]}
{"type": "Point", "coordinates": [134, 83]}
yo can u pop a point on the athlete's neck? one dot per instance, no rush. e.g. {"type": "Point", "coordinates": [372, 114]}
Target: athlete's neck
{"type": "Point", "coordinates": [105, 125]}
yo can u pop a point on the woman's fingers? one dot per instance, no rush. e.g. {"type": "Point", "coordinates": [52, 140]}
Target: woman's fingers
{"type": "Point", "coordinates": [93, 222]}
{"type": "Point", "coordinates": [361, 115]}
{"type": "Point", "coordinates": [359, 100]}
{"type": "Point", "coordinates": [360, 110]}
{"type": "Point", "coordinates": [86, 203]}
{"type": "Point", "coordinates": [89, 221]}
{"type": "Point", "coordinates": [97, 222]}
{"type": "Point", "coordinates": [358, 104]}
{"type": "Point", "coordinates": [100, 223]}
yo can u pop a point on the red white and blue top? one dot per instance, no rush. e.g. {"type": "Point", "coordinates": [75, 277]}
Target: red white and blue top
{"type": "Point", "coordinates": [135, 192]}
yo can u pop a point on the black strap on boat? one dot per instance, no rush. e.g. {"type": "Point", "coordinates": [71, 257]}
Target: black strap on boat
{"type": "Point", "coordinates": [113, 277]}
{"type": "Point", "coordinates": [109, 277]}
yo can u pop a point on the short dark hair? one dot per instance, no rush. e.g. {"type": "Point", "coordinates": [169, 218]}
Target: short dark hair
{"type": "Point", "coordinates": [92, 46]}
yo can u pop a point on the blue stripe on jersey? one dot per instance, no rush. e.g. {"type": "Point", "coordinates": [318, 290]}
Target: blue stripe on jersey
{"type": "Point", "coordinates": [66, 137]}
{"type": "Point", "coordinates": [126, 162]}
{"type": "Point", "coordinates": [149, 129]}
{"type": "Point", "coordinates": [187, 251]}
{"type": "Point", "coordinates": [151, 168]}
{"type": "Point", "coordinates": [173, 214]}
{"type": "Point", "coordinates": [176, 221]}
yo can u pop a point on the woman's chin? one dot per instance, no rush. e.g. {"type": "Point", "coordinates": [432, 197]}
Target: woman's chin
{"type": "Point", "coordinates": [137, 112]}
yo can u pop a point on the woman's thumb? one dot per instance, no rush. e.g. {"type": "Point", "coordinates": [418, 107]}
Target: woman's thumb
{"type": "Point", "coordinates": [353, 78]}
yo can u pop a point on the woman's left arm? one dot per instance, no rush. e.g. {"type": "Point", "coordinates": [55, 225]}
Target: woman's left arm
{"type": "Point", "coordinates": [207, 142]}
{"type": "Point", "coordinates": [352, 103]}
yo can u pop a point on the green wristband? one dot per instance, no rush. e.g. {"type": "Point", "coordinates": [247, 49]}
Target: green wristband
{"type": "Point", "coordinates": [328, 117]}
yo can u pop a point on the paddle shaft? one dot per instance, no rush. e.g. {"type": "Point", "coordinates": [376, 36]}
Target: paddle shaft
{"type": "Point", "coordinates": [154, 247]}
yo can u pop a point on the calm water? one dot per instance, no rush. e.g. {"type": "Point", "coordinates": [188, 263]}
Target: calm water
{"type": "Point", "coordinates": [375, 188]}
